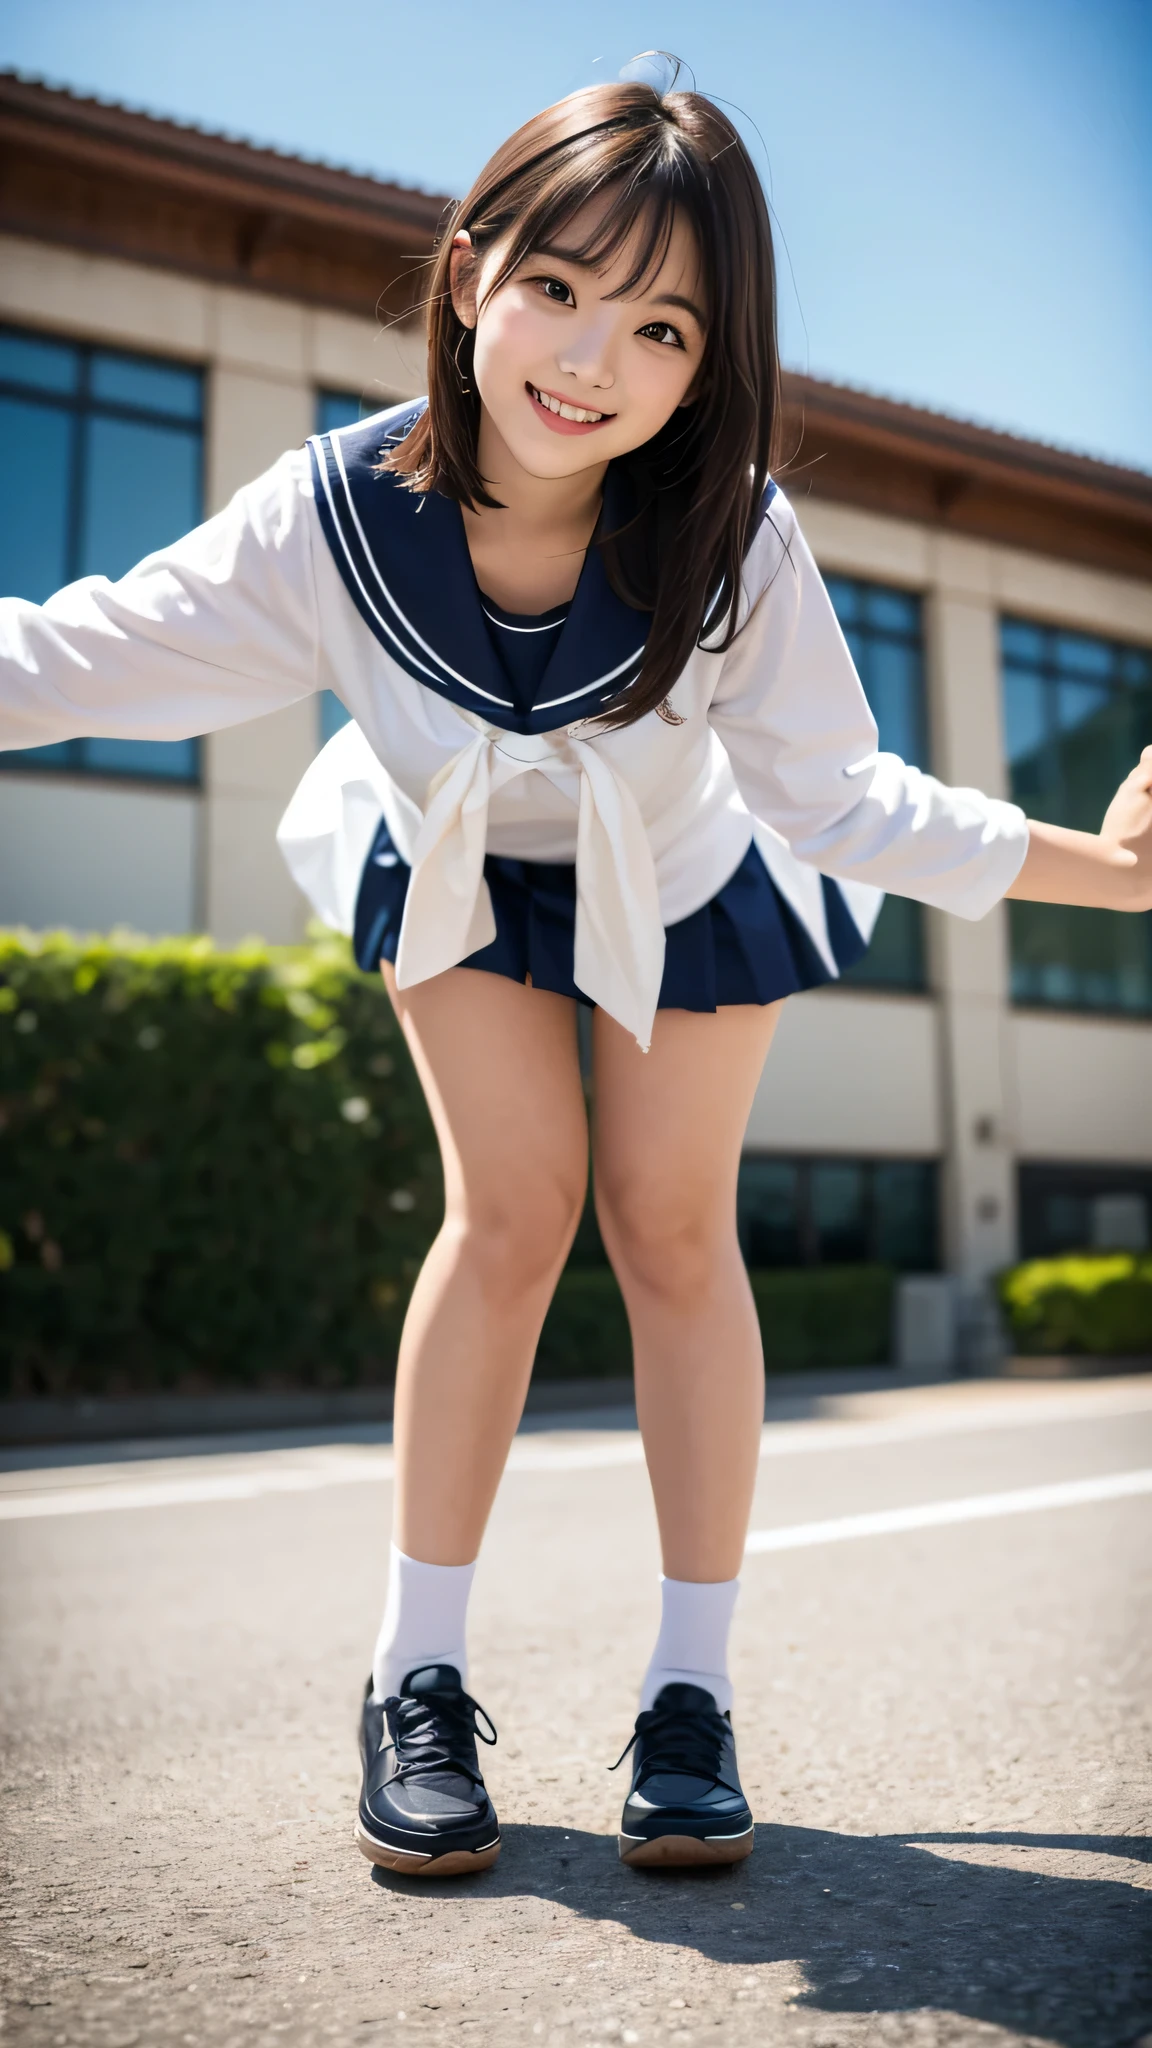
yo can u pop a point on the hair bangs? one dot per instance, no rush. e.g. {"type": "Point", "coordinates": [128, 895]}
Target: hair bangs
{"type": "Point", "coordinates": [643, 186]}
{"type": "Point", "coordinates": [639, 161]}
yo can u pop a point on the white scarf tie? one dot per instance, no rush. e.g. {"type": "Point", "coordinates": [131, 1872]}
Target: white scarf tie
{"type": "Point", "coordinates": [619, 952]}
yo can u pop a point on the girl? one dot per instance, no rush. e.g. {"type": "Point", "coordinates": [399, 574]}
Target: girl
{"type": "Point", "coordinates": [617, 745]}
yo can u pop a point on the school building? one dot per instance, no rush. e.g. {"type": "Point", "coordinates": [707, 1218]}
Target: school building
{"type": "Point", "coordinates": [176, 308]}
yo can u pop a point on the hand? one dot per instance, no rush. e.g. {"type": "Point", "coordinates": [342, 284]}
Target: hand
{"type": "Point", "coordinates": [1108, 870]}
{"type": "Point", "coordinates": [1127, 828]}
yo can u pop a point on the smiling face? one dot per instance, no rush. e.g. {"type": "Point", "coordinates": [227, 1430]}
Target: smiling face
{"type": "Point", "coordinates": [569, 375]}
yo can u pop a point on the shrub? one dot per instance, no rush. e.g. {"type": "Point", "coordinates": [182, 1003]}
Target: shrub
{"type": "Point", "coordinates": [217, 1169]}
{"type": "Point", "coordinates": [817, 1316]}
{"type": "Point", "coordinates": [214, 1166]}
{"type": "Point", "coordinates": [1094, 1302]}
{"type": "Point", "coordinates": [825, 1315]}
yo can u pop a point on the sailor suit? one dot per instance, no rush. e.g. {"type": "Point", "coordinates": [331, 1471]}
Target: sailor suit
{"type": "Point", "coordinates": [732, 849]}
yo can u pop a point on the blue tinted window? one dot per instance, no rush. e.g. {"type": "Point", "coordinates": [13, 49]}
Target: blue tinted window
{"type": "Point", "coordinates": [839, 1198]}
{"type": "Point", "coordinates": [332, 715]}
{"type": "Point", "coordinates": [336, 409]}
{"type": "Point", "coordinates": [1020, 642]}
{"type": "Point", "coordinates": [1025, 716]}
{"type": "Point", "coordinates": [37, 459]}
{"type": "Point", "coordinates": [100, 462]}
{"type": "Point", "coordinates": [1073, 1208]}
{"type": "Point", "coordinates": [903, 1218]}
{"type": "Point", "coordinates": [341, 409]}
{"type": "Point", "coordinates": [36, 364]}
{"type": "Point", "coordinates": [1077, 711]}
{"type": "Point", "coordinates": [141, 490]}
{"type": "Point", "coordinates": [1076, 655]}
{"type": "Point", "coordinates": [769, 1212]}
{"type": "Point", "coordinates": [61, 755]}
{"type": "Point", "coordinates": [845, 595]}
{"type": "Point", "coordinates": [894, 672]}
{"type": "Point", "coordinates": [884, 632]}
{"type": "Point", "coordinates": [167, 760]}
{"type": "Point", "coordinates": [808, 1212]}
{"type": "Point", "coordinates": [147, 386]}
{"type": "Point", "coordinates": [892, 611]}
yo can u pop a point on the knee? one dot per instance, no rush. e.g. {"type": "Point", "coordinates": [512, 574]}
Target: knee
{"type": "Point", "coordinates": [516, 1238]}
{"type": "Point", "coordinates": [666, 1240]}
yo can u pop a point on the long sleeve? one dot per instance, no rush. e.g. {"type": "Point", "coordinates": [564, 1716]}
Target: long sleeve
{"type": "Point", "coordinates": [795, 723]}
{"type": "Point", "coordinates": [218, 628]}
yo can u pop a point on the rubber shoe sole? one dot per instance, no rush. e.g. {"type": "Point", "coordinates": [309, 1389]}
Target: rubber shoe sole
{"type": "Point", "coordinates": [681, 1852]}
{"type": "Point", "coordinates": [454, 1863]}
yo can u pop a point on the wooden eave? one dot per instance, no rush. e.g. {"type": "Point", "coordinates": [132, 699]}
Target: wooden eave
{"type": "Point", "coordinates": [885, 457]}
{"type": "Point", "coordinates": [103, 178]}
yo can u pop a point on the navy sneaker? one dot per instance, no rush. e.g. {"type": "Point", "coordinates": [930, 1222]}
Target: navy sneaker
{"type": "Point", "coordinates": [424, 1809]}
{"type": "Point", "coordinates": [686, 1804]}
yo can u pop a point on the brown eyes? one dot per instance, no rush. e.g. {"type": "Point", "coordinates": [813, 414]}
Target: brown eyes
{"type": "Point", "coordinates": [561, 294]}
{"type": "Point", "coordinates": [663, 331]}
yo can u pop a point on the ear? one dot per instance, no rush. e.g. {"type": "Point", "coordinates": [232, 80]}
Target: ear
{"type": "Point", "coordinates": [462, 278]}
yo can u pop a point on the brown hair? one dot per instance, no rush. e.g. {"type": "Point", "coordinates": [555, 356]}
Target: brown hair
{"type": "Point", "coordinates": [694, 487]}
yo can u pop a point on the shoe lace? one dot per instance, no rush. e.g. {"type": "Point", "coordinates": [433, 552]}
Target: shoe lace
{"type": "Point", "coordinates": [690, 1740]}
{"type": "Point", "coordinates": [434, 1731]}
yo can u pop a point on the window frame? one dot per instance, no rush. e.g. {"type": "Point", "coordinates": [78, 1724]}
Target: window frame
{"type": "Point", "coordinates": [81, 405]}
{"type": "Point", "coordinates": [1051, 676]}
{"type": "Point", "coordinates": [807, 1229]}
{"type": "Point", "coordinates": [856, 980]}
{"type": "Point", "coordinates": [1039, 1180]}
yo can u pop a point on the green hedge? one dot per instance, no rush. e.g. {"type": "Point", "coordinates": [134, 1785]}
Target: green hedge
{"type": "Point", "coordinates": [217, 1169]}
{"type": "Point", "coordinates": [214, 1166]}
{"type": "Point", "coordinates": [1090, 1302]}
{"type": "Point", "coordinates": [823, 1316]}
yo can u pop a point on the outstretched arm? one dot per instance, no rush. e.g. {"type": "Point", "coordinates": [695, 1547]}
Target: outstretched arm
{"type": "Point", "coordinates": [218, 628]}
{"type": "Point", "coordinates": [1106, 870]}
{"type": "Point", "coordinates": [802, 743]}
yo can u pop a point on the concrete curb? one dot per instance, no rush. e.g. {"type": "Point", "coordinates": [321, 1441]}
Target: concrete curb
{"type": "Point", "coordinates": [1075, 1366]}
{"type": "Point", "coordinates": [101, 1419]}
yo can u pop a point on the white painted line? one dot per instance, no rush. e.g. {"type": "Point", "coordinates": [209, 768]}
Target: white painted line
{"type": "Point", "coordinates": [175, 1493]}
{"type": "Point", "coordinates": [937, 1514]}
{"type": "Point", "coordinates": [250, 1475]}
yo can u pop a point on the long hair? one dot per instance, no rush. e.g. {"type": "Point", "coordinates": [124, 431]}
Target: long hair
{"type": "Point", "coordinates": [695, 486]}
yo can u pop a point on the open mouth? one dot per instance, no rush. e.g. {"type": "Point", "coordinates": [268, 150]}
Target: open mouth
{"type": "Point", "coordinates": [566, 418]}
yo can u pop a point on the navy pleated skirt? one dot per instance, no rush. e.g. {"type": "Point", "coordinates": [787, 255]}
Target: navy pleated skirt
{"type": "Point", "coordinates": [745, 946]}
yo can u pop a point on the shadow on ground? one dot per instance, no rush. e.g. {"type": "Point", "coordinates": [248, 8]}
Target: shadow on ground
{"type": "Point", "coordinates": [879, 1924]}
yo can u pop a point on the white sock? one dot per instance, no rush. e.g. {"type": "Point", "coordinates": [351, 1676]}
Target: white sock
{"type": "Point", "coordinates": [692, 1646]}
{"type": "Point", "coordinates": [424, 1620]}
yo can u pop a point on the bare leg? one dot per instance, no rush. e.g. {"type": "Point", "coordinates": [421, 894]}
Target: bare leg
{"type": "Point", "coordinates": [498, 1064]}
{"type": "Point", "coordinates": [669, 1125]}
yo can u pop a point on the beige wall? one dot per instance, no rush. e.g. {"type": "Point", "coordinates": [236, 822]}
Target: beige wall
{"type": "Point", "coordinates": [1083, 1087]}
{"type": "Point", "coordinates": [93, 854]}
{"type": "Point", "coordinates": [851, 1073]}
{"type": "Point", "coordinates": [265, 358]}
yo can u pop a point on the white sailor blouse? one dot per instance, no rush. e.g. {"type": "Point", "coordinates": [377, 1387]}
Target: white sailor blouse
{"type": "Point", "coordinates": [327, 574]}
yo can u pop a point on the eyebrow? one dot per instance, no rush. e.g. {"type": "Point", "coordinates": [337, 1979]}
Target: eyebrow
{"type": "Point", "coordinates": [581, 263]}
{"type": "Point", "coordinates": [687, 305]}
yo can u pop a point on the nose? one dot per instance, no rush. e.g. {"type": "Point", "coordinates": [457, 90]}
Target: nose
{"type": "Point", "coordinates": [587, 353]}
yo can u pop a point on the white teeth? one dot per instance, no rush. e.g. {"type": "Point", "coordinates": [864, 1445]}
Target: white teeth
{"type": "Point", "coordinates": [566, 412]}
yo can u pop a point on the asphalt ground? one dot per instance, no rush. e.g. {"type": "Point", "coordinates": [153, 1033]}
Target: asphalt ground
{"type": "Point", "coordinates": [942, 1667]}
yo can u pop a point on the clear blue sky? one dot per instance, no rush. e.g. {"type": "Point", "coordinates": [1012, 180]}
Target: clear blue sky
{"type": "Point", "coordinates": [964, 186]}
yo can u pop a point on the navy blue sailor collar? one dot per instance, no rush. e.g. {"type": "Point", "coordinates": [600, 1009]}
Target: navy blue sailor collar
{"type": "Point", "coordinates": [404, 561]}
